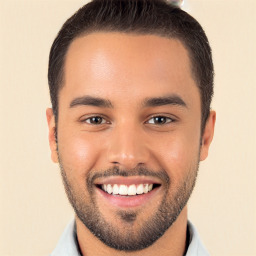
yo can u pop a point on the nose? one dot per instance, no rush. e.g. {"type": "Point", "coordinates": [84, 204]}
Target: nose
{"type": "Point", "coordinates": [128, 148]}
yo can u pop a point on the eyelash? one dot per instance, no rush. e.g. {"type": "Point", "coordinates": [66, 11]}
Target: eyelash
{"type": "Point", "coordinates": [90, 118]}
{"type": "Point", "coordinates": [171, 120]}
{"type": "Point", "coordinates": [166, 118]}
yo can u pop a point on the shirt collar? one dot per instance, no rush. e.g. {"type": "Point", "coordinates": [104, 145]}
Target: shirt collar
{"type": "Point", "coordinates": [68, 244]}
{"type": "Point", "coordinates": [196, 247]}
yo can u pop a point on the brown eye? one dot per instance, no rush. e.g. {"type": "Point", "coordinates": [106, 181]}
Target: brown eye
{"type": "Point", "coordinates": [95, 120]}
{"type": "Point", "coordinates": [160, 120]}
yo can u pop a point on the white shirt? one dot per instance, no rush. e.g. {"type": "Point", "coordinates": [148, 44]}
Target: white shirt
{"type": "Point", "coordinates": [68, 245]}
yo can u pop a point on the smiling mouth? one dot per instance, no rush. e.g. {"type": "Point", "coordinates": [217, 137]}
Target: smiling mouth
{"type": "Point", "coordinates": [128, 190]}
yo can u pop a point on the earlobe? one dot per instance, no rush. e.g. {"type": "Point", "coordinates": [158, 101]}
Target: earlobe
{"type": "Point", "coordinates": [52, 136]}
{"type": "Point", "coordinates": [207, 135]}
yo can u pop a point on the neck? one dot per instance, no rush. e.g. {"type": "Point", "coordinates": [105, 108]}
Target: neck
{"type": "Point", "coordinates": [172, 243]}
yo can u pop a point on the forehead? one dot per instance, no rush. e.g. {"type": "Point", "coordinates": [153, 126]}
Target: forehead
{"type": "Point", "coordinates": [133, 65]}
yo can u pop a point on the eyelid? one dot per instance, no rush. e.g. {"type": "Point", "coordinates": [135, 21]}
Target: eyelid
{"type": "Point", "coordinates": [84, 118]}
{"type": "Point", "coordinates": [173, 119]}
{"type": "Point", "coordinates": [103, 120]}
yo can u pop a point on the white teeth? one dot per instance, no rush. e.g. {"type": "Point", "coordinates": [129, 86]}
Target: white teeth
{"type": "Point", "coordinates": [132, 190]}
{"type": "Point", "coordinates": [125, 190]}
{"type": "Point", "coordinates": [109, 189]}
{"type": "Point", "coordinates": [140, 189]}
{"type": "Point", "coordinates": [115, 190]}
{"type": "Point", "coordinates": [145, 189]}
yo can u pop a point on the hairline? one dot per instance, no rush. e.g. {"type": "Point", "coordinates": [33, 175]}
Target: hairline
{"type": "Point", "coordinates": [61, 82]}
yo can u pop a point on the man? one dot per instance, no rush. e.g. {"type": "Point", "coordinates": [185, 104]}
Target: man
{"type": "Point", "coordinates": [131, 84]}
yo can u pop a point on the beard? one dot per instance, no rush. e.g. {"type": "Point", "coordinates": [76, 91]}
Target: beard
{"type": "Point", "coordinates": [149, 230]}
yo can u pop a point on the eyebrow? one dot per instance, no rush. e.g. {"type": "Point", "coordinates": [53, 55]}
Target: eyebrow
{"type": "Point", "coordinates": [165, 100]}
{"type": "Point", "coordinates": [90, 101]}
{"type": "Point", "coordinates": [149, 102]}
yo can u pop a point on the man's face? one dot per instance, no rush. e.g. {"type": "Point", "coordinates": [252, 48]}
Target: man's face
{"type": "Point", "coordinates": [128, 135]}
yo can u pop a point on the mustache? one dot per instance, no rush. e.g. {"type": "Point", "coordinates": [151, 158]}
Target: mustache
{"type": "Point", "coordinates": [116, 171]}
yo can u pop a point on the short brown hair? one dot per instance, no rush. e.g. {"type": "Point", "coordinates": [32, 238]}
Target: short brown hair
{"type": "Point", "coordinates": [156, 17]}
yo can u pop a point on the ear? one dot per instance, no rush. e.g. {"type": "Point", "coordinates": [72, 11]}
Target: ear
{"type": "Point", "coordinates": [51, 136]}
{"type": "Point", "coordinates": [207, 135]}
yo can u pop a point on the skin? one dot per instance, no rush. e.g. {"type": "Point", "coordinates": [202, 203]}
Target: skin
{"type": "Point", "coordinates": [126, 70]}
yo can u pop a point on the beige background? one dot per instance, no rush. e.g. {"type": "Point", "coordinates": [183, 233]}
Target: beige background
{"type": "Point", "coordinates": [33, 207]}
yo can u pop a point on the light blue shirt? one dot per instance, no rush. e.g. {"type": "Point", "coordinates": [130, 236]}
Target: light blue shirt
{"type": "Point", "coordinates": [68, 245]}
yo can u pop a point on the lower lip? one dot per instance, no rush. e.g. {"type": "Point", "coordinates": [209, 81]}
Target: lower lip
{"type": "Point", "coordinates": [128, 201]}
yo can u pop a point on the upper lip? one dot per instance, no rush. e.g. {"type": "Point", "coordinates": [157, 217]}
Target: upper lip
{"type": "Point", "coordinates": [120, 180]}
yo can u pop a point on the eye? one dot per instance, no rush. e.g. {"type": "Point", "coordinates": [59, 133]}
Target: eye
{"type": "Point", "coordinates": [95, 120]}
{"type": "Point", "coordinates": [160, 120]}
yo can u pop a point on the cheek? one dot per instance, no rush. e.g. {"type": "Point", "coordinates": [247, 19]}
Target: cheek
{"type": "Point", "coordinates": [178, 155]}
{"type": "Point", "coordinates": [78, 152]}
{"type": "Point", "coordinates": [174, 155]}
